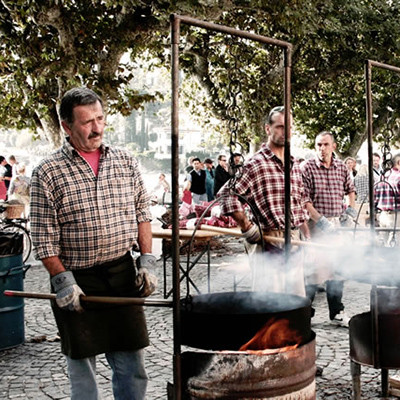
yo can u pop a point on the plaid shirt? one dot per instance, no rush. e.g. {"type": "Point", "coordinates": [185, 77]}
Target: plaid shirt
{"type": "Point", "coordinates": [361, 184]}
{"type": "Point", "coordinates": [387, 192]}
{"type": "Point", "coordinates": [84, 219]}
{"type": "Point", "coordinates": [262, 183]}
{"type": "Point", "coordinates": [325, 187]}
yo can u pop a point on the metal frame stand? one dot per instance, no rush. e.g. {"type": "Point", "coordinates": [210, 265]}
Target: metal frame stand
{"type": "Point", "coordinates": [176, 20]}
{"type": "Point", "coordinates": [355, 367]}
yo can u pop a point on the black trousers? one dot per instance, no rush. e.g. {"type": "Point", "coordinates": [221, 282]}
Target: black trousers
{"type": "Point", "coordinates": [334, 293]}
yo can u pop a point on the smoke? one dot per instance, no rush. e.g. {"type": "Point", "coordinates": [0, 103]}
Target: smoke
{"type": "Point", "coordinates": [343, 255]}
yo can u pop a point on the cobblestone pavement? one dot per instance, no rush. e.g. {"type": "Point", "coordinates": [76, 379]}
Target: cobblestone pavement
{"type": "Point", "coordinates": [36, 368]}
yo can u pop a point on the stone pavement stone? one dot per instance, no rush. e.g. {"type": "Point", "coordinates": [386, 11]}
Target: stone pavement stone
{"type": "Point", "coordinates": [37, 370]}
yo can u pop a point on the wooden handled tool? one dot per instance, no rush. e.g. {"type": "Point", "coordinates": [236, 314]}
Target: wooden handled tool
{"type": "Point", "coordinates": [138, 301]}
{"type": "Point", "coordinates": [270, 239]}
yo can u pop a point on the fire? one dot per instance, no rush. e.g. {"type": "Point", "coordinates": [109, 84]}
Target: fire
{"type": "Point", "coordinates": [275, 334]}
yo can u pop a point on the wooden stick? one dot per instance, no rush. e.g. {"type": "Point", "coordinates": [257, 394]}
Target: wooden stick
{"type": "Point", "coordinates": [138, 301]}
{"type": "Point", "coordinates": [270, 239]}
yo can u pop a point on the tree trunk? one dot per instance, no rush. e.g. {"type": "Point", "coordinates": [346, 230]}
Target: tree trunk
{"type": "Point", "coordinates": [50, 126]}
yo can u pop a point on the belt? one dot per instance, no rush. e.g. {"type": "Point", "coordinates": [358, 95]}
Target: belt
{"type": "Point", "coordinates": [390, 211]}
{"type": "Point", "coordinates": [115, 262]}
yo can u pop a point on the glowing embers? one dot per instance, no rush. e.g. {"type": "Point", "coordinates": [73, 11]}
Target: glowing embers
{"type": "Point", "coordinates": [274, 337]}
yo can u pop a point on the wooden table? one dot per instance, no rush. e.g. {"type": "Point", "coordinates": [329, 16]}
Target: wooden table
{"type": "Point", "coordinates": [186, 236]}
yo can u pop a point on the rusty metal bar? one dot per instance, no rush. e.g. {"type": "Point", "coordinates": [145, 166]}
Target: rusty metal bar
{"type": "Point", "coordinates": [383, 66]}
{"type": "Point", "coordinates": [287, 104]}
{"type": "Point", "coordinates": [368, 79]}
{"type": "Point", "coordinates": [230, 31]}
{"type": "Point", "coordinates": [175, 35]}
{"type": "Point", "coordinates": [177, 363]}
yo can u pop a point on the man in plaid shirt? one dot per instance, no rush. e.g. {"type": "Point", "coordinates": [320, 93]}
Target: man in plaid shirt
{"type": "Point", "coordinates": [262, 183]}
{"type": "Point", "coordinates": [89, 207]}
{"type": "Point", "coordinates": [326, 182]}
{"type": "Point", "coordinates": [387, 201]}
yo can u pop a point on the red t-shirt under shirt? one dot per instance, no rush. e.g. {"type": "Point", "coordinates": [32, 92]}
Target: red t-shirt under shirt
{"type": "Point", "coordinates": [93, 159]}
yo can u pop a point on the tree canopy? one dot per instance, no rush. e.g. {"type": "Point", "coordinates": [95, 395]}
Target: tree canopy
{"type": "Point", "coordinates": [49, 46]}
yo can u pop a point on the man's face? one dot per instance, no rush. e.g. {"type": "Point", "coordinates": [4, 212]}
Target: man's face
{"type": "Point", "coordinates": [350, 164]}
{"type": "Point", "coordinates": [376, 161]}
{"type": "Point", "coordinates": [324, 146]}
{"type": "Point", "coordinates": [86, 132]}
{"type": "Point", "coordinates": [196, 165]}
{"type": "Point", "coordinates": [276, 130]}
{"type": "Point", "coordinates": [222, 162]}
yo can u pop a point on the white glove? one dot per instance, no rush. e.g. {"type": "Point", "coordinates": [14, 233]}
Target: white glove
{"type": "Point", "coordinates": [325, 225]}
{"type": "Point", "coordinates": [252, 235]}
{"type": "Point", "coordinates": [351, 212]}
{"type": "Point", "coordinates": [68, 292]}
{"type": "Point", "coordinates": [145, 281]}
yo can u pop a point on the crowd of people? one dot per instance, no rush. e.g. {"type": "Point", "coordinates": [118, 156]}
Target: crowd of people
{"type": "Point", "coordinates": [327, 194]}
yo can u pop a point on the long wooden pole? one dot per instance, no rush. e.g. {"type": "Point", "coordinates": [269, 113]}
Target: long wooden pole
{"type": "Point", "coordinates": [270, 239]}
{"type": "Point", "coordinates": [138, 301]}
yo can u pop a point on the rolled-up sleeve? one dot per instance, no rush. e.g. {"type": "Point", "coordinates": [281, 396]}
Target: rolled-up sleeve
{"type": "Point", "coordinates": [44, 226]}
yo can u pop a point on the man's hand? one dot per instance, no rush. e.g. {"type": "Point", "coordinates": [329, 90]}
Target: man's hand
{"type": "Point", "coordinates": [68, 292]}
{"type": "Point", "coordinates": [252, 235]}
{"type": "Point", "coordinates": [325, 225]}
{"type": "Point", "coordinates": [145, 281]}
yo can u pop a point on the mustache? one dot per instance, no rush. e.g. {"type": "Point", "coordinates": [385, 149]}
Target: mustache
{"type": "Point", "coordinates": [94, 135]}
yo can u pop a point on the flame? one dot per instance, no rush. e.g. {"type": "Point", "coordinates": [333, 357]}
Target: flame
{"type": "Point", "coordinates": [275, 334]}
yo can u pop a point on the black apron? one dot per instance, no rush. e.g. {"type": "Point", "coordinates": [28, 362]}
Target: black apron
{"type": "Point", "coordinates": [103, 328]}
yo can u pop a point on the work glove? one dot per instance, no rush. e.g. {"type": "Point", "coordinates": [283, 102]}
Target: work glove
{"type": "Point", "coordinates": [68, 292]}
{"type": "Point", "coordinates": [145, 281]}
{"type": "Point", "coordinates": [325, 225]}
{"type": "Point", "coordinates": [351, 212]}
{"type": "Point", "coordinates": [252, 235]}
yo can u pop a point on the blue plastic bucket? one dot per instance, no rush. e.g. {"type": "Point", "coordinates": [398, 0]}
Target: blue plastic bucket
{"type": "Point", "coordinates": [10, 261]}
{"type": "Point", "coordinates": [12, 332]}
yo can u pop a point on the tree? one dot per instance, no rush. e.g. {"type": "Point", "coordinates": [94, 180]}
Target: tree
{"type": "Point", "coordinates": [49, 46]}
{"type": "Point", "coordinates": [331, 41]}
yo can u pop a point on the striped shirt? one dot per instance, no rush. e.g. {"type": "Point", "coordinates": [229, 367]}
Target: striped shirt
{"type": "Point", "coordinates": [387, 192]}
{"type": "Point", "coordinates": [83, 219]}
{"type": "Point", "coordinates": [325, 187]}
{"type": "Point", "coordinates": [262, 183]}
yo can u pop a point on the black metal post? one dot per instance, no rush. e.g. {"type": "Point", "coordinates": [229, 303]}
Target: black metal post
{"type": "Point", "coordinates": [175, 34]}
{"type": "Point", "coordinates": [287, 104]}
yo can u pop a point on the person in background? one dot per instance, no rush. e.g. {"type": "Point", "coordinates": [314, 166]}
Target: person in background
{"type": "Point", "coordinates": [196, 182]}
{"type": "Point", "coordinates": [162, 184]}
{"type": "Point", "coordinates": [327, 181]}
{"type": "Point", "coordinates": [262, 182]}
{"type": "Point", "coordinates": [89, 208]}
{"type": "Point", "coordinates": [387, 203]}
{"type": "Point", "coordinates": [361, 184]}
{"type": "Point", "coordinates": [6, 171]}
{"type": "Point", "coordinates": [13, 163]}
{"type": "Point", "coordinates": [221, 173]}
{"type": "Point", "coordinates": [3, 171]}
{"type": "Point", "coordinates": [208, 167]}
{"type": "Point", "coordinates": [20, 188]}
{"type": "Point", "coordinates": [376, 166]}
{"type": "Point", "coordinates": [189, 167]}
{"type": "Point", "coordinates": [237, 158]}
{"type": "Point", "coordinates": [351, 164]}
